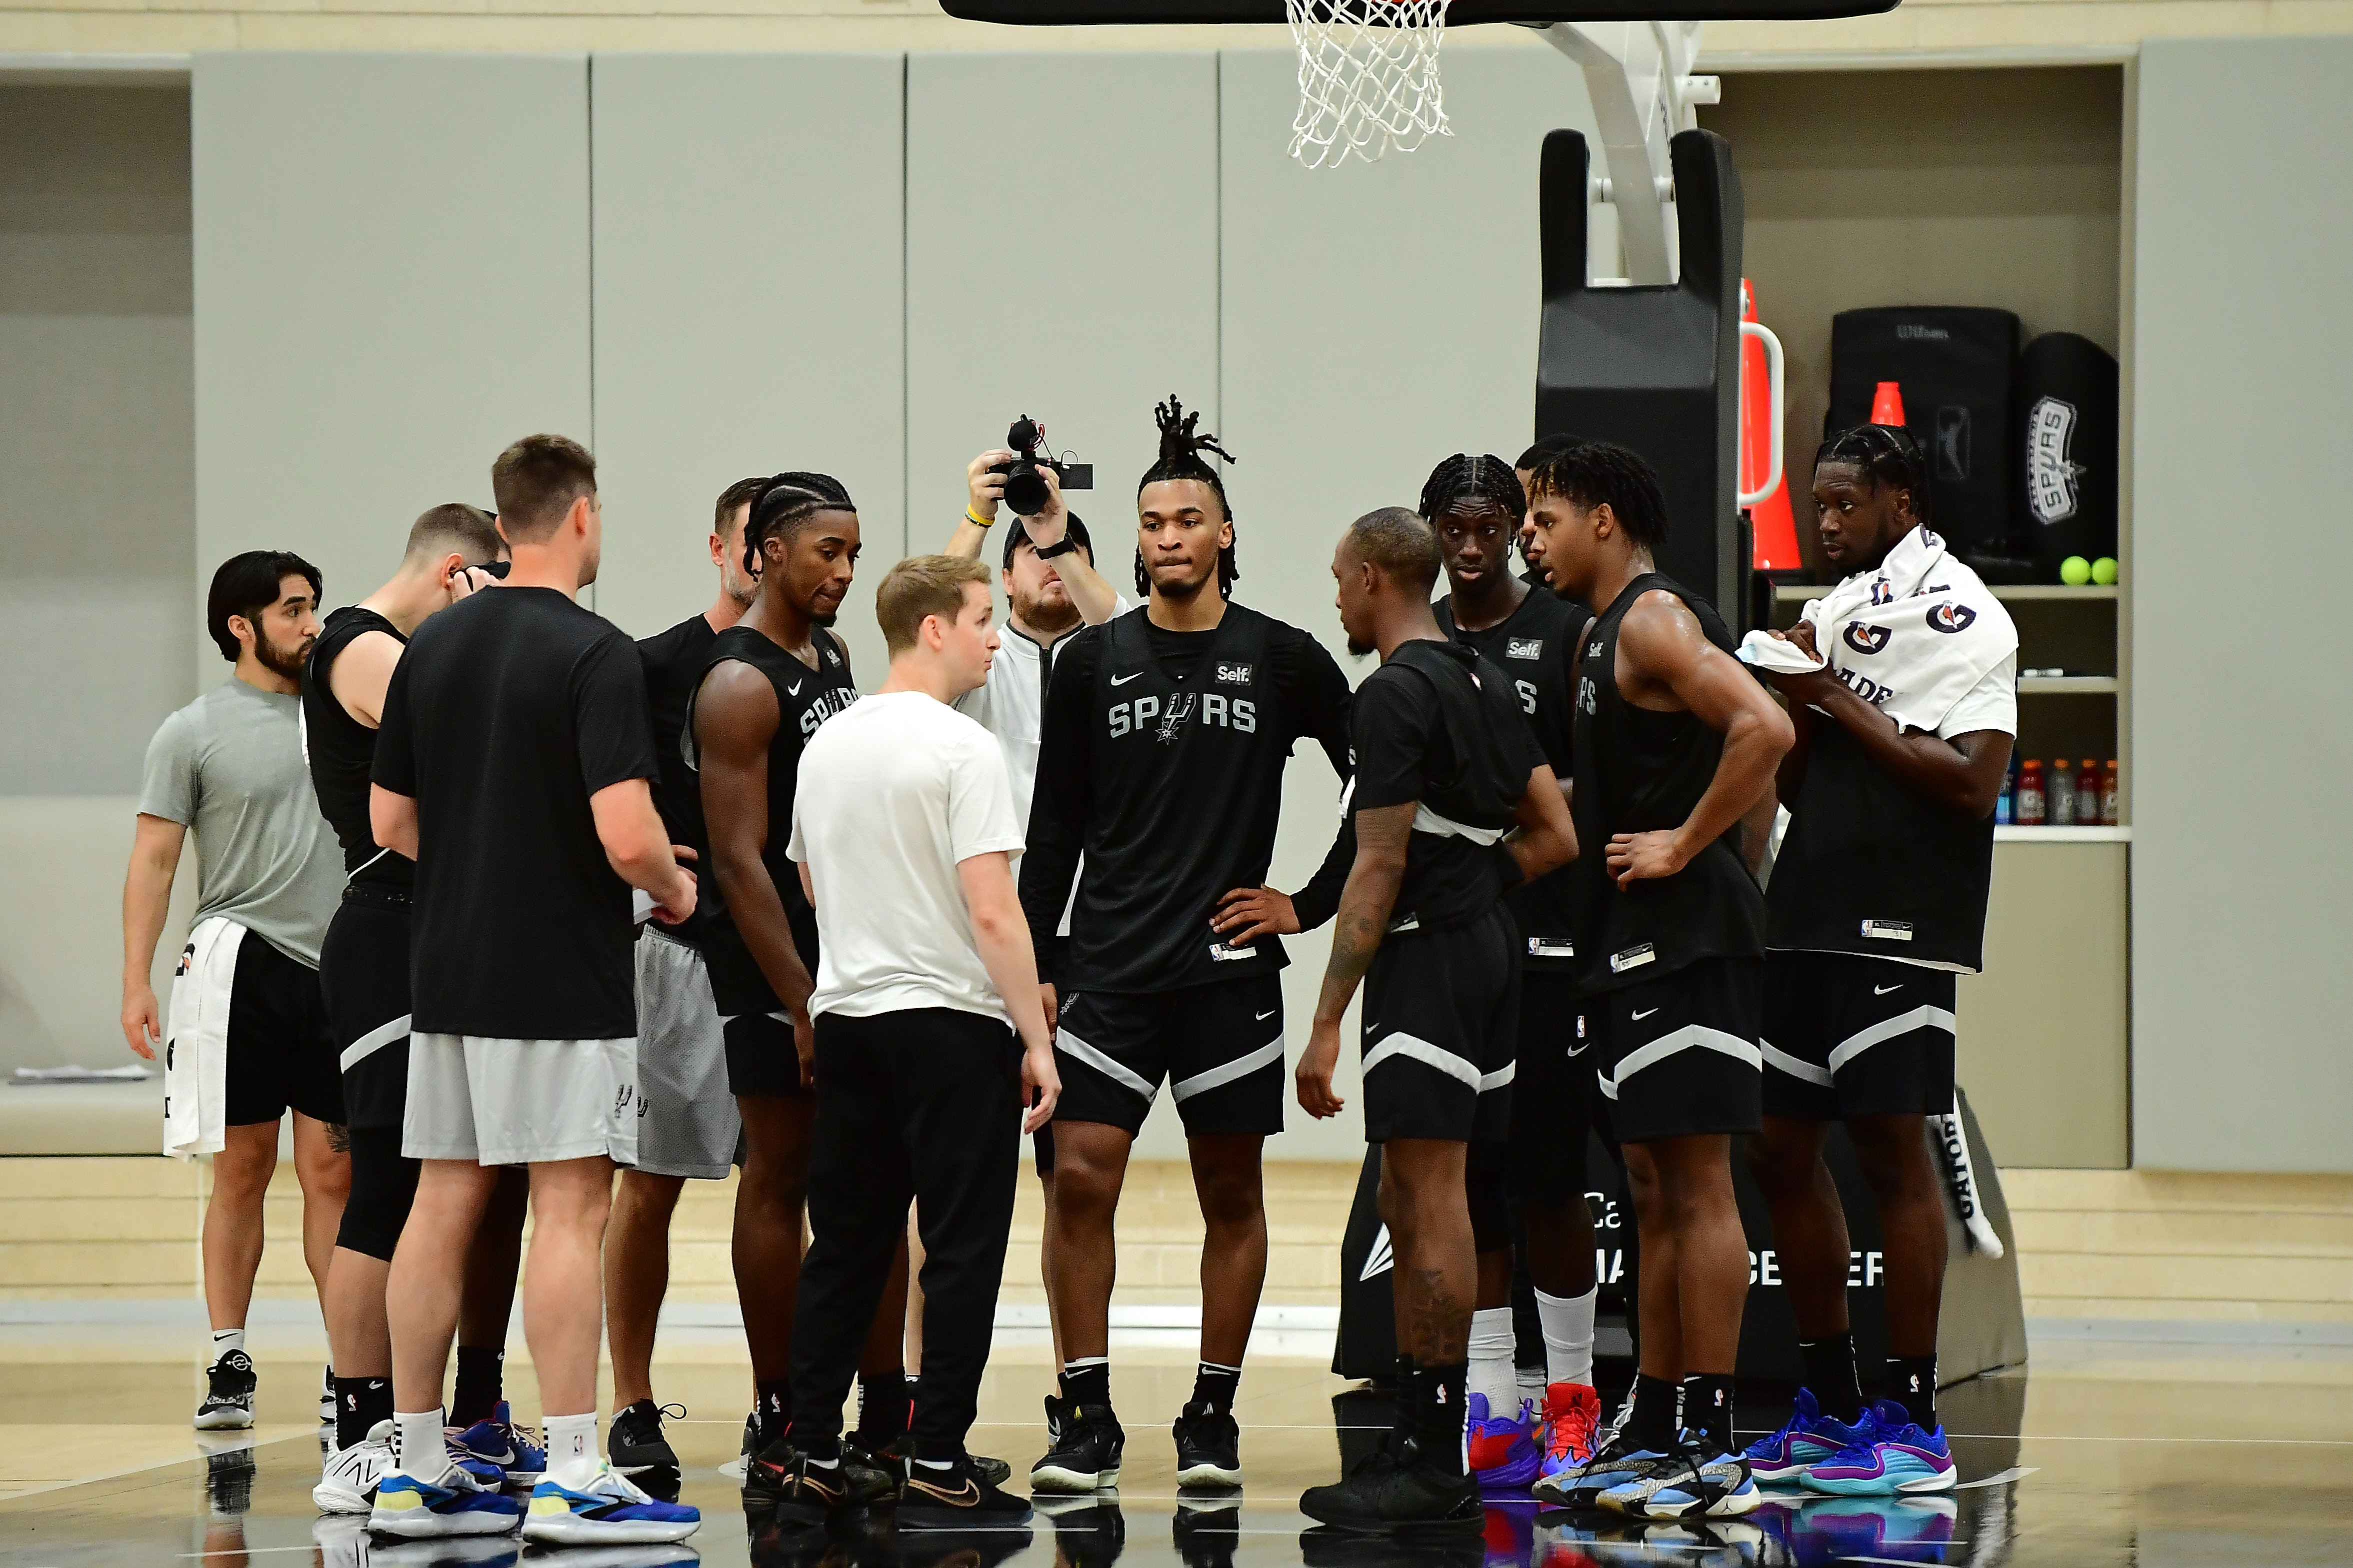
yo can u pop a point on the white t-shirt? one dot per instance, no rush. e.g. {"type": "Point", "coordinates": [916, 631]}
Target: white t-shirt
{"type": "Point", "coordinates": [1012, 704]}
{"type": "Point", "coordinates": [894, 793]}
{"type": "Point", "coordinates": [1990, 704]}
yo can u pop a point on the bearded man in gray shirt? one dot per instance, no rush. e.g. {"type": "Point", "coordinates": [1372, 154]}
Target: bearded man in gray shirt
{"type": "Point", "coordinates": [248, 1037]}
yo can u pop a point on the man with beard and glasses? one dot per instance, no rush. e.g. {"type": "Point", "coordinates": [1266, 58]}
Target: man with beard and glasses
{"type": "Point", "coordinates": [248, 1036]}
{"type": "Point", "coordinates": [1053, 589]}
{"type": "Point", "coordinates": [1160, 762]}
{"type": "Point", "coordinates": [688, 1125]}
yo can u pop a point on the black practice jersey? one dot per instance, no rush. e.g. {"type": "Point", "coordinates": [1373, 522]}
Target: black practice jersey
{"type": "Point", "coordinates": [1160, 758]}
{"type": "Point", "coordinates": [1536, 646]}
{"type": "Point", "coordinates": [1870, 865]}
{"type": "Point", "coordinates": [1638, 771]}
{"type": "Point", "coordinates": [342, 751]}
{"type": "Point", "coordinates": [675, 661]}
{"type": "Point", "coordinates": [806, 698]}
{"type": "Point", "coordinates": [1441, 726]}
{"type": "Point", "coordinates": [508, 710]}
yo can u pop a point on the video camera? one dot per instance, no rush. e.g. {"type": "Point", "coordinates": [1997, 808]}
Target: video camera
{"type": "Point", "coordinates": [1024, 488]}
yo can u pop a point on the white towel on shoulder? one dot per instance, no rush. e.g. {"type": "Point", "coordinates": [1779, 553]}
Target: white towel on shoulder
{"type": "Point", "coordinates": [1911, 638]}
{"type": "Point", "coordinates": [195, 1041]}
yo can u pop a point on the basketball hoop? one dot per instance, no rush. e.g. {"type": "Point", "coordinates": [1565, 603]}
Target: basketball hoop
{"type": "Point", "coordinates": [1367, 77]}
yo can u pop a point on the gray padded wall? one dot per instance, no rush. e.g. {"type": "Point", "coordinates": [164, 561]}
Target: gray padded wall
{"type": "Point", "coordinates": [391, 284]}
{"type": "Point", "coordinates": [1061, 261]}
{"type": "Point", "coordinates": [1375, 319]}
{"type": "Point", "coordinates": [749, 310]}
{"type": "Point", "coordinates": [2241, 851]}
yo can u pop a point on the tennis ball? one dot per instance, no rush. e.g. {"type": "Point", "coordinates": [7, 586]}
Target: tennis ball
{"type": "Point", "coordinates": [2104, 570]}
{"type": "Point", "coordinates": [2074, 570]}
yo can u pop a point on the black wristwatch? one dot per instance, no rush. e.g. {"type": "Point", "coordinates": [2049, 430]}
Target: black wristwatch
{"type": "Point", "coordinates": [1061, 546]}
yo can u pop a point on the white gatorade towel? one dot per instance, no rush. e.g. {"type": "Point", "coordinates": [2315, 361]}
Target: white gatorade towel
{"type": "Point", "coordinates": [195, 1041]}
{"type": "Point", "coordinates": [1911, 638]}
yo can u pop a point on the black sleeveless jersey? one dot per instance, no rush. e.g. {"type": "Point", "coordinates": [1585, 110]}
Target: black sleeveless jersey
{"type": "Point", "coordinates": [1870, 867]}
{"type": "Point", "coordinates": [340, 751]}
{"type": "Point", "coordinates": [1638, 771]}
{"type": "Point", "coordinates": [805, 699]}
{"type": "Point", "coordinates": [1172, 789]}
{"type": "Point", "coordinates": [1535, 645]}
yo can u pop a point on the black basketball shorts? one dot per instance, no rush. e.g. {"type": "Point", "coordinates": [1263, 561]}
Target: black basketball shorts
{"type": "Point", "coordinates": [363, 973]}
{"type": "Point", "coordinates": [1218, 1047]}
{"type": "Point", "coordinates": [1440, 1026]}
{"type": "Point", "coordinates": [1678, 1055]}
{"type": "Point", "coordinates": [761, 1055]}
{"type": "Point", "coordinates": [1552, 1092]}
{"type": "Point", "coordinates": [282, 1051]}
{"type": "Point", "coordinates": [1847, 1034]}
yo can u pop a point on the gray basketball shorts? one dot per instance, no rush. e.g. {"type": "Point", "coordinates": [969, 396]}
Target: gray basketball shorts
{"type": "Point", "coordinates": [688, 1124]}
{"type": "Point", "coordinates": [521, 1102]}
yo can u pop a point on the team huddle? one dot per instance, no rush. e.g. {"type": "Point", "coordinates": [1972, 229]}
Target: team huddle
{"type": "Point", "coordinates": [712, 900]}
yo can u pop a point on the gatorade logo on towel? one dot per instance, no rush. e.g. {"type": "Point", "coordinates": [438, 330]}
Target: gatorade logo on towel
{"type": "Point", "coordinates": [1951, 617]}
{"type": "Point", "coordinates": [1866, 639]}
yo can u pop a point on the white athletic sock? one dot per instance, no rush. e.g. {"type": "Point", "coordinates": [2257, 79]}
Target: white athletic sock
{"type": "Point", "coordinates": [226, 1341]}
{"type": "Point", "coordinates": [420, 1442]}
{"type": "Point", "coordinates": [1568, 1335]}
{"type": "Point", "coordinates": [1493, 1371]}
{"type": "Point", "coordinates": [572, 1438]}
{"type": "Point", "coordinates": [1532, 1384]}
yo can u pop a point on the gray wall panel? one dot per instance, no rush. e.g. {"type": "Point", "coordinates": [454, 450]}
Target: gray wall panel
{"type": "Point", "coordinates": [391, 284]}
{"type": "Point", "coordinates": [1376, 317]}
{"type": "Point", "coordinates": [2241, 853]}
{"type": "Point", "coordinates": [748, 306]}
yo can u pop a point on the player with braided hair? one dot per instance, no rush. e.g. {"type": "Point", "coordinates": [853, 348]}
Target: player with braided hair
{"type": "Point", "coordinates": [769, 681]}
{"type": "Point", "coordinates": [1160, 760]}
{"type": "Point", "coordinates": [1477, 508]}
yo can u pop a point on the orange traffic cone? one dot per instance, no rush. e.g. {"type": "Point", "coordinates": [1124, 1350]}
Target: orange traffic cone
{"type": "Point", "coordinates": [1774, 531]}
{"type": "Point", "coordinates": [1887, 404]}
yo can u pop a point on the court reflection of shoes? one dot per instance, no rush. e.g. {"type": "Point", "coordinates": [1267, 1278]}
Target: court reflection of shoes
{"type": "Point", "coordinates": [228, 1481]}
{"type": "Point", "coordinates": [1088, 1532]}
{"type": "Point", "coordinates": [1330, 1546]}
{"type": "Point", "coordinates": [1206, 1530]}
{"type": "Point", "coordinates": [675, 1554]}
{"type": "Point", "coordinates": [1891, 1529]}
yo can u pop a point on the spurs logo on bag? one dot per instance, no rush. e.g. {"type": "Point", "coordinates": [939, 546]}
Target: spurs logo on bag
{"type": "Point", "coordinates": [2050, 470]}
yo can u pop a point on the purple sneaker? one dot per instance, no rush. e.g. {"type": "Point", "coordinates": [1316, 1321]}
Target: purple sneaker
{"type": "Point", "coordinates": [1502, 1448]}
{"type": "Point", "coordinates": [1895, 1458]}
{"type": "Point", "coordinates": [1807, 1439]}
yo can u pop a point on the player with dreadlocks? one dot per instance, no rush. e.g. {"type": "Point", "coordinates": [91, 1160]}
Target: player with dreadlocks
{"type": "Point", "coordinates": [771, 679]}
{"type": "Point", "coordinates": [1160, 760]}
{"type": "Point", "coordinates": [1477, 508]}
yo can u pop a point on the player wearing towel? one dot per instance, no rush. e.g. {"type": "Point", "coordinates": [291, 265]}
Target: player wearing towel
{"type": "Point", "coordinates": [229, 766]}
{"type": "Point", "coordinates": [1446, 765]}
{"type": "Point", "coordinates": [1675, 742]}
{"type": "Point", "coordinates": [1878, 900]}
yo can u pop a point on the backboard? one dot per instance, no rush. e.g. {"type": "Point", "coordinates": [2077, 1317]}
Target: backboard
{"type": "Point", "coordinates": [1461, 13]}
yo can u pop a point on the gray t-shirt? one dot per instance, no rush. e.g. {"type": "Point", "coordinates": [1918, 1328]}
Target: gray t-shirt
{"type": "Point", "coordinates": [228, 766]}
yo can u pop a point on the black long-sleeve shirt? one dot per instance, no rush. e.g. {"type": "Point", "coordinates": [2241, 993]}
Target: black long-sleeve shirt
{"type": "Point", "coordinates": [1159, 762]}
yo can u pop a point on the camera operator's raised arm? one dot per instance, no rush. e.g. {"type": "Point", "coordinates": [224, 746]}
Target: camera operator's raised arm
{"type": "Point", "coordinates": [986, 478]}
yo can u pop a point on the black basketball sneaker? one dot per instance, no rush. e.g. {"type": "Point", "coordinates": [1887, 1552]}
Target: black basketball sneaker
{"type": "Point", "coordinates": [953, 1497]}
{"type": "Point", "coordinates": [1208, 1447]}
{"type": "Point", "coordinates": [783, 1478]}
{"type": "Point", "coordinates": [229, 1399]}
{"type": "Point", "coordinates": [1398, 1487]}
{"type": "Point", "coordinates": [635, 1446]}
{"type": "Point", "coordinates": [1085, 1454]}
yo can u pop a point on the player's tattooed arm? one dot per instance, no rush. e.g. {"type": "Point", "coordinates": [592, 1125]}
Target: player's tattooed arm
{"type": "Point", "coordinates": [1383, 833]}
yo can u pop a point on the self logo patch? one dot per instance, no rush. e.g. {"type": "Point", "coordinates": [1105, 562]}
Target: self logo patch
{"type": "Point", "coordinates": [1523, 647]}
{"type": "Point", "coordinates": [1234, 673]}
{"type": "Point", "coordinates": [1888, 930]}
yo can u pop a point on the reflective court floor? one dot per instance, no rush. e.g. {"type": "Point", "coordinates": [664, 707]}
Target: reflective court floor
{"type": "Point", "coordinates": [2166, 1455]}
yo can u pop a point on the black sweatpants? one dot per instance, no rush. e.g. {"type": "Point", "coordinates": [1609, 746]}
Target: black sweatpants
{"type": "Point", "coordinates": [923, 1104]}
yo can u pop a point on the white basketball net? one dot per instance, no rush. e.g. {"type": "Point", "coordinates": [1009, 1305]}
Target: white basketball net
{"type": "Point", "coordinates": [1367, 77]}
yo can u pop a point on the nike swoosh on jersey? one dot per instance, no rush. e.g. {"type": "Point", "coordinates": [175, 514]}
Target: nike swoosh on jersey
{"type": "Point", "coordinates": [795, 688]}
{"type": "Point", "coordinates": [1640, 1016]}
{"type": "Point", "coordinates": [1262, 1017]}
{"type": "Point", "coordinates": [1581, 1050]}
{"type": "Point", "coordinates": [1883, 990]}
{"type": "Point", "coordinates": [1124, 679]}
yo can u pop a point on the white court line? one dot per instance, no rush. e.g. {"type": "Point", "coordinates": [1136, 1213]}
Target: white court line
{"type": "Point", "coordinates": [2015, 1473]}
{"type": "Point", "coordinates": [249, 1551]}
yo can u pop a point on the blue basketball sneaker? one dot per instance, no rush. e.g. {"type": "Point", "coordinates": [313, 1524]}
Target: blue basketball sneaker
{"type": "Point", "coordinates": [1704, 1482]}
{"type": "Point", "coordinates": [1896, 1458]}
{"type": "Point", "coordinates": [603, 1507]}
{"type": "Point", "coordinates": [1807, 1439]}
{"type": "Point", "coordinates": [1616, 1463]}
{"type": "Point", "coordinates": [413, 1508]}
{"type": "Point", "coordinates": [497, 1441]}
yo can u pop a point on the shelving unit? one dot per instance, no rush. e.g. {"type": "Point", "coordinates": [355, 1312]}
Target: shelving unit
{"type": "Point", "coordinates": [1798, 593]}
